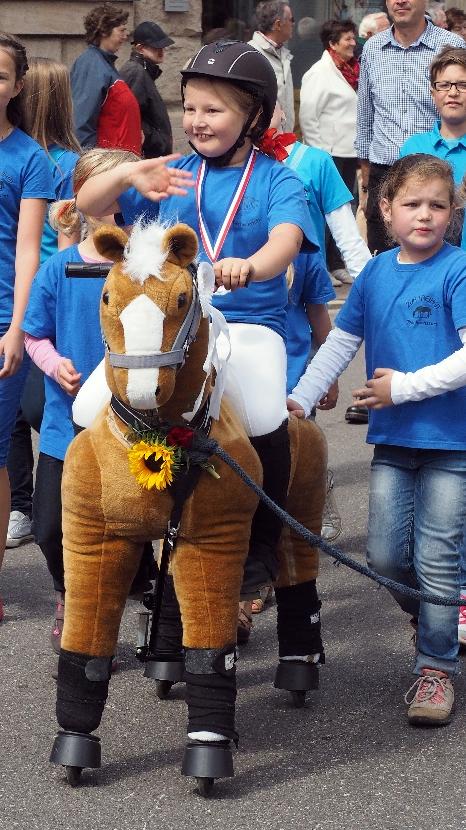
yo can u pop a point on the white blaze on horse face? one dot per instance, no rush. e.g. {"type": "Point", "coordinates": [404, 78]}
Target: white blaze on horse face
{"type": "Point", "coordinates": [142, 322]}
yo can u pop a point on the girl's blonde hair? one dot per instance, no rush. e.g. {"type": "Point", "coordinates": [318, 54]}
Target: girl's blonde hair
{"type": "Point", "coordinates": [64, 215]}
{"type": "Point", "coordinates": [47, 109]}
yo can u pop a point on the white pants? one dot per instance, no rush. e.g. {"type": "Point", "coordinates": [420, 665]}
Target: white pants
{"type": "Point", "coordinates": [255, 381]}
{"type": "Point", "coordinates": [256, 377]}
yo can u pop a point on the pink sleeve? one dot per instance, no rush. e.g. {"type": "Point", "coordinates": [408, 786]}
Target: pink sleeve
{"type": "Point", "coordinates": [43, 353]}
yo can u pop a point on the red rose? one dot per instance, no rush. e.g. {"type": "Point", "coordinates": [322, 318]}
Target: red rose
{"type": "Point", "coordinates": [180, 437]}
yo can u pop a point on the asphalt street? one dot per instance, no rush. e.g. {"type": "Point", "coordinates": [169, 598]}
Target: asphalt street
{"type": "Point", "coordinates": [347, 761]}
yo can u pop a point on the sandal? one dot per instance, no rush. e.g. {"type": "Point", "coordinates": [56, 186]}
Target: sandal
{"type": "Point", "coordinates": [258, 604]}
{"type": "Point", "coordinates": [243, 631]}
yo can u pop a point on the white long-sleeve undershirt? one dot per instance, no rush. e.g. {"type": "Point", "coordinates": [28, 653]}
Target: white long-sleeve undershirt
{"type": "Point", "coordinates": [339, 349]}
{"type": "Point", "coordinates": [354, 251]}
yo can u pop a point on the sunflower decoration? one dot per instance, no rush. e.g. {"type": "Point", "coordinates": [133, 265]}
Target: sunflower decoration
{"type": "Point", "coordinates": [155, 458]}
{"type": "Point", "coordinates": [153, 463]}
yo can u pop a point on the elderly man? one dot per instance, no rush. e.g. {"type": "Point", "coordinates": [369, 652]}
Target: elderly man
{"type": "Point", "coordinates": [394, 99]}
{"type": "Point", "coordinates": [275, 20]}
{"type": "Point", "coordinates": [372, 24]}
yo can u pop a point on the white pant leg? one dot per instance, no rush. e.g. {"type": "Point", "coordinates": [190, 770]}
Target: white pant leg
{"type": "Point", "coordinates": [92, 397]}
{"type": "Point", "coordinates": [256, 377]}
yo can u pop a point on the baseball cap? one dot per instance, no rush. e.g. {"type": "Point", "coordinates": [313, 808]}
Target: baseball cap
{"type": "Point", "coordinates": [150, 34]}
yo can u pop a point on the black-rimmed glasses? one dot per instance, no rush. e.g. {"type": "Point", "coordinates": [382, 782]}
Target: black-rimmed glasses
{"type": "Point", "coordinates": [445, 86]}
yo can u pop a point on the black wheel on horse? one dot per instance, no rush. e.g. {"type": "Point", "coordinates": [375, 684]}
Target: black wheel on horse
{"type": "Point", "coordinates": [162, 688]}
{"type": "Point", "coordinates": [298, 699]}
{"type": "Point", "coordinates": [73, 775]}
{"type": "Point", "coordinates": [205, 786]}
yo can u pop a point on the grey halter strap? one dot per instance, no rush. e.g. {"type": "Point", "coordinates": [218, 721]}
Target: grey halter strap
{"type": "Point", "coordinates": [177, 354]}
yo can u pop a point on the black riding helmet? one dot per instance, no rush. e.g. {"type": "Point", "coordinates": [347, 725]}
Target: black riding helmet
{"type": "Point", "coordinates": [243, 66]}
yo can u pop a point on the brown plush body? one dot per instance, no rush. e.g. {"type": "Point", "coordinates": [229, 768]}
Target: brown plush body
{"type": "Point", "coordinates": [107, 515]}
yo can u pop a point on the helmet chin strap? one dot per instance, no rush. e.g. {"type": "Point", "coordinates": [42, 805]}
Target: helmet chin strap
{"type": "Point", "coordinates": [225, 158]}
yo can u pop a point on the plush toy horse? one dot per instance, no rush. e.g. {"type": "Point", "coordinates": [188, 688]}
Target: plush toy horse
{"type": "Point", "coordinates": [119, 490]}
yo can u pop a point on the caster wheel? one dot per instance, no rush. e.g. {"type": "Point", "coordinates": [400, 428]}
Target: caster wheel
{"type": "Point", "coordinates": [73, 775]}
{"type": "Point", "coordinates": [162, 688]}
{"type": "Point", "coordinates": [205, 786]}
{"type": "Point", "coordinates": [298, 699]}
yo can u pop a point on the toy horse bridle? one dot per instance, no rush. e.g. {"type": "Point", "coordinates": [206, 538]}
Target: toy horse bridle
{"type": "Point", "coordinates": [176, 356]}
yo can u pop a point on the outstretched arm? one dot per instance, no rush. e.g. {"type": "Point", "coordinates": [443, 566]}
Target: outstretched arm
{"type": "Point", "coordinates": [151, 177]}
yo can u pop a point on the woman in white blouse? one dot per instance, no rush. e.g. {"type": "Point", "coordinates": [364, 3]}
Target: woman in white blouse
{"type": "Point", "coordinates": [328, 106]}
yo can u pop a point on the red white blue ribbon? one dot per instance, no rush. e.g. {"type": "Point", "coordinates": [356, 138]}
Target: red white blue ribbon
{"type": "Point", "coordinates": [213, 251]}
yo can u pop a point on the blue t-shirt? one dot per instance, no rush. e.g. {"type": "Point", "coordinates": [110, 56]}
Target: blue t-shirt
{"type": "Point", "coordinates": [62, 163]}
{"type": "Point", "coordinates": [274, 196]}
{"type": "Point", "coordinates": [453, 151]}
{"type": "Point", "coordinates": [409, 316]}
{"type": "Point", "coordinates": [324, 187]}
{"type": "Point", "coordinates": [24, 174]}
{"type": "Point", "coordinates": [311, 285]}
{"type": "Point", "coordinates": [66, 310]}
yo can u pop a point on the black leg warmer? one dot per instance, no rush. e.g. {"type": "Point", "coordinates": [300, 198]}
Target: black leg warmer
{"type": "Point", "coordinates": [169, 643]}
{"type": "Point", "coordinates": [82, 689]}
{"type": "Point", "coordinates": [261, 567]}
{"type": "Point", "coordinates": [298, 620]}
{"type": "Point", "coordinates": [211, 690]}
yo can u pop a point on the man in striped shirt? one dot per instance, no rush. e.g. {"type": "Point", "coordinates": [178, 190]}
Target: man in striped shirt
{"type": "Point", "coordinates": [394, 99]}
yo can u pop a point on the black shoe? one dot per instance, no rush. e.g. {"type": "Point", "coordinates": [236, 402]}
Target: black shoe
{"type": "Point", "coordinates": [357, 415]}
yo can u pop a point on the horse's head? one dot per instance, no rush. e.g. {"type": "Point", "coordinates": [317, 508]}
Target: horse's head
{"type": "Point", "coordinates": [150, 310]}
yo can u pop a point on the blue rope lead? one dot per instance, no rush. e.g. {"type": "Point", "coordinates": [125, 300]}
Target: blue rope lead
{"type": "Point", "coordinates": [211, 446]}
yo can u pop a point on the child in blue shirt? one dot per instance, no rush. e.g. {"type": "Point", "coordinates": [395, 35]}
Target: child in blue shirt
{"type": "Point", "coordinates": [64, 338]}
{"type": "Point", "coordinates": [251, 216]}
{"type": "Point", "coordinates": [47, 117]}
{"type": "Point", "coordinates": [409, 306]}
{"type": "Point", "coordinates": [25, 187]}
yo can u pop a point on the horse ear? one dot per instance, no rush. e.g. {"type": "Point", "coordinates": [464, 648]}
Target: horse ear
{"type": "Point", "coordinates": [181, 243]}
{"type": "Point", "coordinates": [110, 242]}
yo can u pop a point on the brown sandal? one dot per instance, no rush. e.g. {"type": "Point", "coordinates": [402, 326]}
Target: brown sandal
{"type": "Point", "coordinates": [243, 631]}
{"type": "Point", "coordinates": [261, 601]}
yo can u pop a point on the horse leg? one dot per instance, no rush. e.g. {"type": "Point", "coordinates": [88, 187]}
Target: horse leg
{"type": "Point", "coordinates": [298, 604]}
{"type": "Point", "coordinates": [207, 582]}
{"type": "Point", "coordinates": [166, 666]}
{"type": "Point", "coordinates": [99, 569]}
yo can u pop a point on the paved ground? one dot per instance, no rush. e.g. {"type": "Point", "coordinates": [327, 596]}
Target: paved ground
{"type": "Point", "coordinates": [348, 761]}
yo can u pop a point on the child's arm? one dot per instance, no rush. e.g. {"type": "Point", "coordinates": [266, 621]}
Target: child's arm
{"type": "Point", "coordinates": [343, 227]}
{"type": "Point", "coordinates": [44, 354]}
{"type": "Point", "coordinates": [272, 259]}
{"type": "Point", "coordinates": [30, 225]}
{"type": "Point", "coordinates": [389, 387]}
{"type": "Point", "coordinates": [328, 364]}
{"type": "Point", "coordinates": [151, 177]}
{"type": "Point", "coordinates": [321, 326]}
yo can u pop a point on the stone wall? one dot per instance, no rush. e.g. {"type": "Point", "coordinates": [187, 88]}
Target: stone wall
{"type": "Point", "coordinates": [54, 29]}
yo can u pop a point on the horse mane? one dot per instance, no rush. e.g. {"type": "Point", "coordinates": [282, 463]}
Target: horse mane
{"type": "Point", "coordinates": [144, 254]}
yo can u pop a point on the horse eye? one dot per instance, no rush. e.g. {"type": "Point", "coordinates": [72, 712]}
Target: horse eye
{"type": "Point", "coordinates": [105, 297]}
{"type": "Point", "coordinates": [181, 300]}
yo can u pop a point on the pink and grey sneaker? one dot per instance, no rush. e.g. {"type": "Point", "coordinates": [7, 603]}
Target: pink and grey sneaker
{"type": "Point", "coordinates": [462, 623]}
{"type": "Point", "coordinates": [431, 699]}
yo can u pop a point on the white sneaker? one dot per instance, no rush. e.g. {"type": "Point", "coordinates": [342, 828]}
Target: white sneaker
{"type": "Point", "coordinates": [342, 276]}
{"type": "Point", "coordinates": [19, 530]}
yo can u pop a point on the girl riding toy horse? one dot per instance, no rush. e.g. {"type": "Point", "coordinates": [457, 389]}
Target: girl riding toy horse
{"type": "Point", "coordinates": [121, 480]}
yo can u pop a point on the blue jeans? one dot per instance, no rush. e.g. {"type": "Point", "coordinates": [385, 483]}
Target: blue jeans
{"type": "Point", "coordinates": [417, 508]}
{"type": "Point", "coordinates": [11, 390]}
